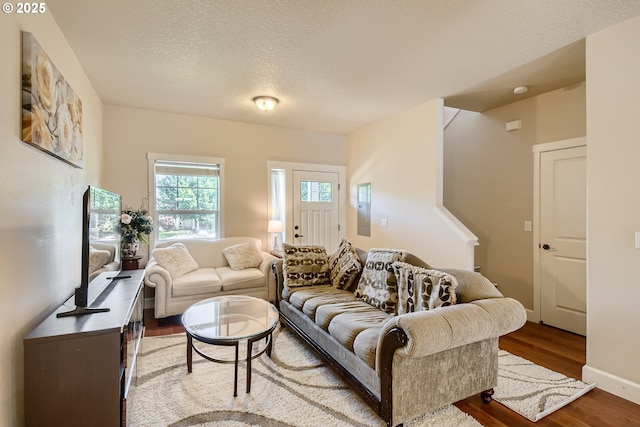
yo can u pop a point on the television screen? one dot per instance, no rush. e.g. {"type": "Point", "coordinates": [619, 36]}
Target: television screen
{"type": "Point", "coordinates": [101, 230]}
{"type": "Point", "coordinates": [104, 219]}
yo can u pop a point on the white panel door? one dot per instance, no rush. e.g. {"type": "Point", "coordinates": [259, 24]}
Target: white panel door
{"type": "Point", "coordinates": [563, 226]}
{"type": "Point", "coordinates": [315, 209]}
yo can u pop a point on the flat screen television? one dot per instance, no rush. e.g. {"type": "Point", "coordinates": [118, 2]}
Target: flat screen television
{"type": "Point", "coordinates": [100, 223]}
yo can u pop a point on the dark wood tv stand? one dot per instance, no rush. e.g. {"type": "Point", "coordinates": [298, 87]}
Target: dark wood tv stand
{"type": "Point", "coordinates": [78, 370]}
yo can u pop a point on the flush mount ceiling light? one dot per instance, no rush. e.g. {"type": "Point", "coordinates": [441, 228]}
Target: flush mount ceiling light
{"type": "Point", "coordinates": [265, 103]}
{"type": "Point", "coordinates": [520, 90]}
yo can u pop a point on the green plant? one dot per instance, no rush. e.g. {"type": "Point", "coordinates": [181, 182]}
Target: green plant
{"type": "Point", "coordinates": [135, 225]}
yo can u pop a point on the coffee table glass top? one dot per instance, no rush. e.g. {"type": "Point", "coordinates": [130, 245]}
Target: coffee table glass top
{"type": "Point", "coordinates": [233, 318]}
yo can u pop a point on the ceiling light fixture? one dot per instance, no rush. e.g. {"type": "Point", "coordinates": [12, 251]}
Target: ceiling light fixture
{"type": "Point", "coordinates": [520, 90]}
{"type": "Point", "coordinates": [265, 103]}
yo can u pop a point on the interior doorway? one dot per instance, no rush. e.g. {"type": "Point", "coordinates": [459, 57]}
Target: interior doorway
{"type": "Point", "coordinates": [560, 242]}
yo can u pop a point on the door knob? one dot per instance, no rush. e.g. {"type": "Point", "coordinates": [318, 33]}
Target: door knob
{"type": "Point", "coordinates": [298, 235]}
{"type": "Point", "coordinates": [546, 247]}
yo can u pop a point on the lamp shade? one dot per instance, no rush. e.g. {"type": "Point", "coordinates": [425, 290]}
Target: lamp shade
{"type": "Point", "coordinates": [275, 226]}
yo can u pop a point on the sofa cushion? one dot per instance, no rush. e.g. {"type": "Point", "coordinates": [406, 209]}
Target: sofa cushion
{"type": "Point", "coordinates": [366, 344]}
{"type": "Point", "coordinates": [311, 305]}
{"type": "Point", "coordinates": [378, 285]}
{"type": "Point", "coordinates": [242, 255]}
{"type": "Point", "coordinates": [423, 289]}
{"type": "Point", "coordinates": [200, 281]}
{"type": "Point", "coordinates": [176, 259]}
{"type": "Point", "coordinates": [305, 266]}
{"type": "Point", "coordinates": [344, 265]}
{"type": "Point", "coordinates": [325, 313]}
{"type": "Point", "coordinates": [308, 299]}
{"type": "Point", "coordinates": [298, 296]}
{"type": "Point", "coordinates": [240, 279]}
{"type": "Point", "coordinates": [346, 326]}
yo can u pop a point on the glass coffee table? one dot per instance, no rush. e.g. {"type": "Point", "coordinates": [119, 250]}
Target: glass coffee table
{"type": "Point", "coordinates": [229, 321]}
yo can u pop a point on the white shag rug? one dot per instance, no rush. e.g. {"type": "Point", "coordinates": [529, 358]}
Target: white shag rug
{"type": "Point", "coordinates": [293, 388]}
{"type": "Point", "coordinates": [534, 391]}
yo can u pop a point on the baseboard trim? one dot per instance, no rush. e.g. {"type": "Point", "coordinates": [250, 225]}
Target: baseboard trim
{"type": "Point", "coordinates": [611, 383]}
{"type": "Point", "coordinates": [532, 316]}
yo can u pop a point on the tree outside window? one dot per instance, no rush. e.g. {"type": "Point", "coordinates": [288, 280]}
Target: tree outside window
{"type": "Point", "coordinates": [187, 200]}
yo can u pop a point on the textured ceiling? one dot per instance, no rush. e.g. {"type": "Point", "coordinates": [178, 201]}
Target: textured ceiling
{"type": "Point", "coordinates": [335, 65]}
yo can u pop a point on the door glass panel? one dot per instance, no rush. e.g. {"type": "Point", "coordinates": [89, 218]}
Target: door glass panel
{"type": "Point", "coordinates": [316, 191]}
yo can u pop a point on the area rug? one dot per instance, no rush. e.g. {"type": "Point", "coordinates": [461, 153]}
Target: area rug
{"type": "Point", "coordinates": [534, 391]}
{"type": "Point", "coordinates": [293, 388]}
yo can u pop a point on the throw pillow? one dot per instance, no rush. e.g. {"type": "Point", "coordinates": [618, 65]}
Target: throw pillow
{"type": "Point", "coordinates": [378, 285]}
{"type": "Point", "coordinates": [97, 258]}
{"type": "Point", "coordinates": [242, 255]}
{"type": "Point", "coordinates": [422, 289]}
{"type": "Point", "coordinates": [176, 259]}
{"type": "Point", "coordinates": [305, 266]}
{"type": "Point", "coordinates": [344, 265]}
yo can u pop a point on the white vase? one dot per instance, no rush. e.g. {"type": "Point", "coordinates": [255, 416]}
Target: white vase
{"type": "Point", "coordinates": [129, 249]}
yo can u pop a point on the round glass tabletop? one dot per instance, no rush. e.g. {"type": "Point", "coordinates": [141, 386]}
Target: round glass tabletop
{"type": "Point", "coordinates": [229, 318]}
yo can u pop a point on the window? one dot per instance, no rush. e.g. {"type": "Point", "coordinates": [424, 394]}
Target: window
{"type": "Point", "coordinates": [187, 199]}
{"type": "Point", "coordinates": [316, 191]}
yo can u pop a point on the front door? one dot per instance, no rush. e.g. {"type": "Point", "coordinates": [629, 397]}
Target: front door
{"type": "Point", "coordinates": [563, 206]}
{"type": "Point", "coordinates": [315, 209]}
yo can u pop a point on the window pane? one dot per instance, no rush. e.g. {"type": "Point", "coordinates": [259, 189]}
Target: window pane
{"type": "Point", "coordinates": [165, 198]}
{"type": "Point", "coordinates": [207, 182]}
{"type": "Point", "coordinates": [316, 191]}
{"type": "Point", "coordinates": [177, 226]}
{"type": "Point", "coordinates": [182, 188]}
{"type": "Point", "coordinates": [208, 199]}
{"type": "Point", "coordinates": [187, 199]}
{"type": "Point", "coordinates": [166, 180]}
{"type": "Point", "coordinates": [187, 181]}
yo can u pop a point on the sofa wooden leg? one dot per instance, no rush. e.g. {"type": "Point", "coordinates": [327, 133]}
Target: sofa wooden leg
{"type": "Point", "coordinates": [161, 322]}
{"type": "Point", "coordinates": [486, 395]}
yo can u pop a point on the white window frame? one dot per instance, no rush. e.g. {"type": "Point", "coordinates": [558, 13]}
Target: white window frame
{"type": "Point", "coordinates": [152, 158]}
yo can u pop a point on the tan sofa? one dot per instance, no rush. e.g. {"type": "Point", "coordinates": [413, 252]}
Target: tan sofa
{"type": "Point", "coordinates": [213, 276]}
{"type": "Point", "coordinates": [405, 365]}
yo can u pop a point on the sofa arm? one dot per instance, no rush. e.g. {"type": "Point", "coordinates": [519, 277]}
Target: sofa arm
{"type": "Point", "coordinates": [265, 267]}
{"type": "Point", "coordinates": [156, 276]}
{"type": "Point", "coordinates": [433, 331]}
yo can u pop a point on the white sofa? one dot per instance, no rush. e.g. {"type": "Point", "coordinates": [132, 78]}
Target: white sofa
{"type": "Point", "coordinates": [100, 263]}
{"type": "Point", "coordinates": [213, 277]}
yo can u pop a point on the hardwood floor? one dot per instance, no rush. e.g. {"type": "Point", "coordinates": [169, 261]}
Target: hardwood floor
{"type": "Point", "coordinates": [562, 352]}
{"type": "Point", "coordinates": [558, 350]}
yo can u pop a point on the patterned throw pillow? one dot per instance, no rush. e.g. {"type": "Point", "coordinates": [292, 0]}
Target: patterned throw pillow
{"type": "Point", "coordinates": [305, 266]}
{"type": "Point", "coordinates": [378, 286]}
{"type": "Point", "coordinates": [242, 255]}
{"type": "Point", "coordinates": [176, 259]}
{"type": "Point", "coordinates": [344, 265]}
{"type": "Point", "coordinates": [422, 289]}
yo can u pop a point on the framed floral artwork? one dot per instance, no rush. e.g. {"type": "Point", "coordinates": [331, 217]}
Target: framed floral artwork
{"type": "Point", "coordinates": [51, 111]}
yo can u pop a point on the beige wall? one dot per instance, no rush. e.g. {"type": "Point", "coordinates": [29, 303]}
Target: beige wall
{"type": "Point", "coordinates": [40, 204]}
{"type": "Point", "coordinates": [399, 157]}
{"type": "Point", "coordinates": [131, 133]}
{"type": "Point", "coordinates": [488, 179]}
{"type": "Point", "coordinates": [613, 209]}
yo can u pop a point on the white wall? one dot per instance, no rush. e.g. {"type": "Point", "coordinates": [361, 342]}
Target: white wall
{"type": "Point", "coordinates": [613, 209]}
{"type": "Point", "coordinates": [399, 156]}
{"type": "Point", "coordinates": [488, 181]}
{"type": "Point", "coordinates": [131, 133]}
{"type": "Point", "coordinates": [40, 204]}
